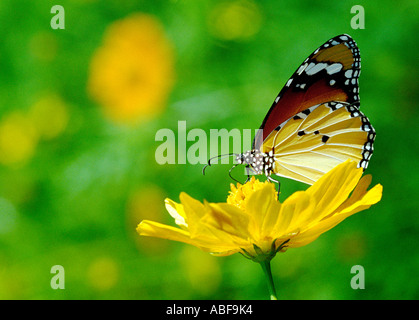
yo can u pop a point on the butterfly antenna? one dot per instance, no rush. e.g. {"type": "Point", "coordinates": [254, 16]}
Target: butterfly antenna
{"type": "Point", "coordinates": [220, 156]}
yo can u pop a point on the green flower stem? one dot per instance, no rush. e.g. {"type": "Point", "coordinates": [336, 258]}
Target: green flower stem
{"type": "Point", "coordinates": [266, 266]}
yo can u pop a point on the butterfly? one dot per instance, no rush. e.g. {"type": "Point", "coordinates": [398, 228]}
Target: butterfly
{"type": "Point", "coordinates": [315, 122]}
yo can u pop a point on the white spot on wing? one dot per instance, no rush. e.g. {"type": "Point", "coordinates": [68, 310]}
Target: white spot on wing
{"type": "Point", "coordinates": [314, 68]}
{"type": "Point", "coordinates": [336, 67]}
{"type": "Point", "coordinates": [301, 68]}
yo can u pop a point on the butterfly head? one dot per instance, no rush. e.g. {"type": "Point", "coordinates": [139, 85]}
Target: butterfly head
{"type": "Point", "coordinates": [259, 162]}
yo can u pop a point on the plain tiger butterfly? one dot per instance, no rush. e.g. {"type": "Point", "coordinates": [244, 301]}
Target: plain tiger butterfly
{"type": "Point", "coordinates": [315, 122]}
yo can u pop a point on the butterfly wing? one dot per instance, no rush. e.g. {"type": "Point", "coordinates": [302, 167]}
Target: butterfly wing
{"type": "Point", "coordinates": [330, 73]}
{"type": "Point", "coordinates": [312, 142]}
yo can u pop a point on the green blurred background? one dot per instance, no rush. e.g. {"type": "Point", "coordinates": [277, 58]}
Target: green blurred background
{"type": "Point", "coordinates": [75, 180]}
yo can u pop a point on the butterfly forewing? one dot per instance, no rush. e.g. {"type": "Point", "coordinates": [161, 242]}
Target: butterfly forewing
{"type": "Point", "coordinates": [330, 73]}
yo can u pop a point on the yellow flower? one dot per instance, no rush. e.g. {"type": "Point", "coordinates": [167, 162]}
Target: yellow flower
{"type": "Point", "coordinates": [255, 224]}
{"type": "Point", "coordinates": [132, 73]}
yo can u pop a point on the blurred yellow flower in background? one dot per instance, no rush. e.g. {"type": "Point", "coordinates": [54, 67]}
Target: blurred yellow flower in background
{"type": "Point", "coordinates": [18, 139]}
{"type": "Point", "coordinates": [20, 132]}
{"type": "Point", "coordinates": [49, 116]}
{"type": "Point", "coordinates": [132, 73]}
{"type": "Point", "coordinates": [103, 273]}
{"type": "Point", "coordinates": [235, 20]}
{"type": "Point", "coordinates": [202, 271]}
{"type": "Point", "coordinates": [44, 46]}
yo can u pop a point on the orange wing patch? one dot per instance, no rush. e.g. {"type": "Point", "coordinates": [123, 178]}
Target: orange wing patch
{"type": "Point", "coordinates": [330, 73]}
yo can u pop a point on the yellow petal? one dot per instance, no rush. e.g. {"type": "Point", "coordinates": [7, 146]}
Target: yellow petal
{"type": "Point", "coordinates": [295, 212]}
{"type": "Point", "coordinates": [158, 230]}
{"type": "Point", "coordinates": [224, 253]}
{"type": "Point", "coordinates": [194, 211]}
{"type": "Point", "coordinates": [229, 219]}
{"type": "Point", "coordinates": [271, 217]}
{"type": "Point", "coordinates": [359, 191]}
{"type": "Point", "coordinates": [176, 211]}
{"type": "Point", "coordinates": [332, 189]}
{"type": "Point", "coordinates": [361, 202]}
{"type": "Point", "coordinates": [210, 223]}
{"type": "Point", "coordinates": [228, 224]}
{"type": "Point", "coordinates": [263, 208]}
{"type": "Point", "coordinates": [196, 207]}
{"type": "Point", "coordinates": [364, 202]}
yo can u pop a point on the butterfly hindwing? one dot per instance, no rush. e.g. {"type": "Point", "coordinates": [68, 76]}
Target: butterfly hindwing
{"type": "Point", "coordinates": [330, 73]}
{"type": "Point", "coordinates": [312, 142]}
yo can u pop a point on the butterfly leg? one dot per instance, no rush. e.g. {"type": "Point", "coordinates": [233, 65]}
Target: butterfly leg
{"type": "Point", "coordinates": [248, 175]}
{"type": "Point", "coordinates": [231, 169]}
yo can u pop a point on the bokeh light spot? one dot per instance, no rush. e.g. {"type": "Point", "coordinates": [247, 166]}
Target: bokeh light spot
{"type": "Point", "coordinates": [235, 20]}
{"type": "Point", "coordinates": [103, 273]}
{"type": "Point", "coordinates": [18, 139]}
{"type": "Point", "coordinates": [50, 116]}
{"type": "Point", "coordinates": [203, 270]}
{"type": "Point", "coordinates": [43, 46]}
